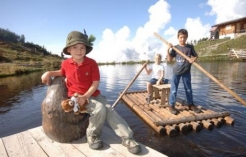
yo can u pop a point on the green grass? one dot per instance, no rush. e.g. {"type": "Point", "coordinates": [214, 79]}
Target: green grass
{"type": "Point", "coordinates": [216, 50]}
{"type": "Point", "coordinates": [16, 60]}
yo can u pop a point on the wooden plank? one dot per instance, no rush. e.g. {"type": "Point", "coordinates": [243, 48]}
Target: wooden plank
{"type": "Point", "coordinates": [69, 149]}
{"type": "Point", "coordinates": [47, 145]}
{"type": "Point", "coordinates": [3, 152]}
{"type": "Point", "coordinates": [22, 144]}
{"type": "Point", "coordinates": [34, 142]}
{"type": "Point", "coordinates": [29, 145]}
{"type": "Point", "coordinates": [13, 146]}
{"type": "Point", "coordinates": [115, 142]}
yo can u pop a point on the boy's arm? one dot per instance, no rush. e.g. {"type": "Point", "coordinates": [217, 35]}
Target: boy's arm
{"type": "Point", "coordinates": [194, 55]}
{"type": "Point", "coordinates": [161, 77]}
{"type": "Point", "coordinates": [148, 71]}
{"type": "Point", "coordinates": [87, 95]}
{"type": "Point", "coordinates": [92, 89]}
{"type": "Point", "coordinates": [46, 77]}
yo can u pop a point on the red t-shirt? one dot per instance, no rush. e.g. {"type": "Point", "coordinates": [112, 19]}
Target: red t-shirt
{"type": "Point", "coordinates": [80, 77]}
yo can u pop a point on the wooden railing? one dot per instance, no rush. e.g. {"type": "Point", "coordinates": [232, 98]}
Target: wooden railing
{"type": "Point", "coordinates": [237, 53]}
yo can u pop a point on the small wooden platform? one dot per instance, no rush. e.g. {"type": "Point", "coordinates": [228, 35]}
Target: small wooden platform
{"type": "Point", "coordinates": [157, 115]}
{"type": "Point", "coordinates": [34, 143]}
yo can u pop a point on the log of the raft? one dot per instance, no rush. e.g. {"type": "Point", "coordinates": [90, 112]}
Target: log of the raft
{"type": "Point", "coordinates": [159, 129]}
{"type": "Point", "coordinates": [183, 127]}
{"type": "Point", "coordinates": [229, 120]}
{"type": "Point", "coordinates": [196, 126]}
{"type": "Point", "coordinates": [189, 126]}
{"type": "Point", "coordinates": [58, 125]}
{"type": "Point", "coordinates": [192, 125]}
{"type": "Point", "coordinates": [175, 126]}
{"type": "Point", "coordinates": [200, 122]}
{"type": "Point", "coordinates": [171, 131]}
{"type": "Point", "coordinates": [197, 117]}
{"type": "Point", "coordinates": [207, 125]}
{"type": "Point", "coordinates": [148, 110]}
{"type": "Point", "coordinates": [216, 122]}
{"type": "Point", "coordinates": [222, 120]}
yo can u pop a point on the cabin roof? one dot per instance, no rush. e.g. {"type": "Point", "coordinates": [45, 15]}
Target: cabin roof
{"type": "Point", "coordinates": [228, 22]}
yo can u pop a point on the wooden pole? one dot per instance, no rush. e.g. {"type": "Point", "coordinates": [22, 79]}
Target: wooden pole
{"type": "Point", "coordinates": [129, 85]}
{"type": "Point", "coordinates": [234, 52]}
{"type": "Point", "coordinates": [205, 72]}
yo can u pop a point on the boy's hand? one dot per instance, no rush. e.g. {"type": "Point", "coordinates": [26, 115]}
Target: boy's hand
{"type": "Point", "coordinates": [158, 83]}
{"type": "Point", "coordinates": [81, 100]}
{"type": "Point", "coordinates": [46, 78]}
{"type": "Point", "coordinates": [193, 59]}
{"type": "Point", "coordinates": [169, 45]}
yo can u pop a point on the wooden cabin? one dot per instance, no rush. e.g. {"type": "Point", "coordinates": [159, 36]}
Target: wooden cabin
{"type": "Point", "coordinates": [229, 29]}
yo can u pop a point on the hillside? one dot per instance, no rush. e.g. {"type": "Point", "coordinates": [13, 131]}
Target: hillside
{"type": "Point", "coordinates": [219, 47]}
{"type": "Point", "coordinates": [16, 59]}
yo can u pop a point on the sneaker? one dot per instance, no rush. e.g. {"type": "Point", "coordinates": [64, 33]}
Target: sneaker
{"type": "Point", "coordinates": [132, 146]}
{"type": "Point", "coordinates": [148, 99]}
{"type": "Point", "coordinates": [194, 108]}
{"type": "Point", "coordinates": [173, 110]}
{"type": "Point", "coordinates": [94, 142]}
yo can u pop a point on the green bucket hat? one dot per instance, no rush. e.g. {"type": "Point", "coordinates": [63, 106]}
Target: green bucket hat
{"type": "Point", "coordinates": [76, 37]}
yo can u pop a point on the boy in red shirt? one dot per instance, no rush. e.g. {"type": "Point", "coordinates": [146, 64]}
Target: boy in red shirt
{"type": "Point", "coordinates": [82, 77]}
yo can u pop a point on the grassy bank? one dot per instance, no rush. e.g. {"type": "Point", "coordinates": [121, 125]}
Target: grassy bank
{"type": "Point", "coordinates": [217, 50]}
{"type": "Point", "coordinates": [17, 60]}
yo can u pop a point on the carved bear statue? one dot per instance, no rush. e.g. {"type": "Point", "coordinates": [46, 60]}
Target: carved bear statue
{"type": "Point", "coordinates": [58, 125]}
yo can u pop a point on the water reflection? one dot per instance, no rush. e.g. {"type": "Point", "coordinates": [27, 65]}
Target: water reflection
{"type": "Point", "coordinates": [21, 98]}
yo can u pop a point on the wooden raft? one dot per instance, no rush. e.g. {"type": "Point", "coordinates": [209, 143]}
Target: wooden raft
{"type": "Point", "coordinates": [34, 143]}
{"type": "Point", "coordinates": [157, 115]}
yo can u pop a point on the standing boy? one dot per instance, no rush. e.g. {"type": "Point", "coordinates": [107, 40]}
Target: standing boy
{"type": "Point", "coordinates": [157, 77]}
{"type": "Point", "coordinates": [82, 77]}
{"type": "Point", "coordinates": [182, 69]}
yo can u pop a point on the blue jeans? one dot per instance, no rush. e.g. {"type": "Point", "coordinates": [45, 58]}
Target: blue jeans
{"type": "Point", "coordinates": [153, 81]}
{"type": "Point", "coordinates": [174, 88]}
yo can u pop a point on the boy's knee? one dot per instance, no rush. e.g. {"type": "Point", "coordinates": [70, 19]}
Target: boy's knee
{"type": "Point", "coordinates": [96, 108]}
{"type": "Point", "coordinates": [101, 107]}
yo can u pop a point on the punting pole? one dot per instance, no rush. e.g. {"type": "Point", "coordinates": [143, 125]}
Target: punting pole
{"type": "Point", "coordinates": [129, 85]}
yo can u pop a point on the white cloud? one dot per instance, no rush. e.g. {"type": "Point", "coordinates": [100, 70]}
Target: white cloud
{"type": "Point", "coordinates": [196, 29]}
{"type": "Point", "coordinates": [119, 47]}
{"type": "Point", "coordinates": [226, 10]}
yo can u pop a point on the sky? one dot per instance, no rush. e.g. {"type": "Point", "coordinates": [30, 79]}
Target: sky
{"type": "Point", "coordinates": [124, 29]}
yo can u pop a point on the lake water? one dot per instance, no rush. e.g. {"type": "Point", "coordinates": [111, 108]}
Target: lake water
{"type": "Point", "coordinates": [21, 98]}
